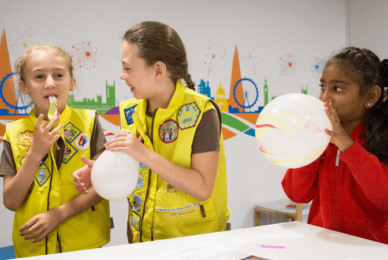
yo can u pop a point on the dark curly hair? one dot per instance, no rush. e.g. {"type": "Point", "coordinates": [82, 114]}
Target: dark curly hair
{"type": "Point", "coordinates": [159, 42]}
{"type": "Point", "coordinates": [367, 70]}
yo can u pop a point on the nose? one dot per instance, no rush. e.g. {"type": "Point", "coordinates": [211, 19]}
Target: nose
{"type": "Point", "coordinates": [325, 96]}
{"type": "Point", "coordinates": [50, 84]}
{"type": "Point", "coordinates": [122, 76]}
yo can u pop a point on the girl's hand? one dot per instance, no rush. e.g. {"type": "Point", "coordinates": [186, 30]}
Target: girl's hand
{"type": "Point", "coordinates": [82, 176]}
{"type": "Point", "coordinates": [129, 144]}
{"type": "Point", "coordinates": [39, 226]}
{"type": "Point", "coordinates": [338, 135]}
{"type": "Point", "coordinates": [43, 138]}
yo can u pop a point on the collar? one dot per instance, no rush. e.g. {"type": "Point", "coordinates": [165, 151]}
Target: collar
{"type": "Point", "coordinates": [65, 116]}
{"type": "Point", "coordinates": [175, 102]}
{"type": "Point", "coordinates": [357, 132]}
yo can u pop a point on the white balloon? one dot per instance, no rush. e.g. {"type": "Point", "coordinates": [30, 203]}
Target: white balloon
{"type": "Point", "coordinates": [115, 175]}
{"type": "Point", "coordinates": [290, 130]}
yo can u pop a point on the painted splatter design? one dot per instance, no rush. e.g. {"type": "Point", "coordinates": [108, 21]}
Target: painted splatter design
{"type": "Point", "coordinates": [317, 66]}
{"type": "Point", "coordinates": [20, 39]}
{"type": "Point", "coordinates": [287, 65]}
{"type": "Point", "coordinates": [214, 53]}
{"type": "Point", "coordinates": [84, 55]}
{"type": "Point", "coordinates": [249, 54]}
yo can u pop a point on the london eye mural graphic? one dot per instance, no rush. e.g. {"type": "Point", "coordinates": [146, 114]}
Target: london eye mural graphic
{"type": "Point", "coordinates": [250, 88]}
{"type": "Point", "coordinates": [16, 106]}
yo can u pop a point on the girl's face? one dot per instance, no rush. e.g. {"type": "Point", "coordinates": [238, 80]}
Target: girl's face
{"type": "Point", "coordinates": [344, 93]}
{"type": "Point", "coordinates": [138, 76]}
{"type": "Point", "coordinates": [46, 75]}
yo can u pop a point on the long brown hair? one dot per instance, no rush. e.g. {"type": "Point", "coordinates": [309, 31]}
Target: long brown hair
{"type": "Point", "coordinates": [159, 42]}
{"type": "Point", "coordinates": [367, 70]}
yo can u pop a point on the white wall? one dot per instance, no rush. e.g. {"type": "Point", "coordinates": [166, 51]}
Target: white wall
{"type": "Point", "coordinates": [264, 31]}
{"type": "Point", "coordinates": [368, 28]}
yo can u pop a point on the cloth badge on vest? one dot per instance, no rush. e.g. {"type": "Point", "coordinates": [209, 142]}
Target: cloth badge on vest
{"type": "Point", "coordinates": [168, 131]}
{"type": "Point", "coordinates": [82, 142]}
{"type": "Point", "coordinates": [71, 132]}
{"type": "Point", "coordinates": [128, 112]}
{"type": "Point", "coordinates": [43, 174]}
{"type": "Point", "coordinates": [69, 152]}
{"type": "Point", "coordinates": [135, 220]}
{"type": "Point", "coordinates": [137, 203]}
{"type": "Point", "coordinates": [140, 183]}
{"type": "Point", "coordinates": [188, 115]}
{"type": "Point", "coordinates": [25, 138]}
{"type": "Point", "coordinates": [23, 152]}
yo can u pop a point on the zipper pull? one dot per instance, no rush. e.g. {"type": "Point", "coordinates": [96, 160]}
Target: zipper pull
{"type": "Point", "coordinates": [337, 160]}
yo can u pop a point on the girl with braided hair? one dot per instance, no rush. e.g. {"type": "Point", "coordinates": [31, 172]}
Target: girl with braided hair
{"type": "Point", "coordinates": [182, 179]}
{"type": "Point", "coordinates": [349, 182]}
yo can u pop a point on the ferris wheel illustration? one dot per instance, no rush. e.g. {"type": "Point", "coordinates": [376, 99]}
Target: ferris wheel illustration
{"type": "Point", "coordinates": [19, 96]}
{"type": "Point", "coordinates": [251, 92]}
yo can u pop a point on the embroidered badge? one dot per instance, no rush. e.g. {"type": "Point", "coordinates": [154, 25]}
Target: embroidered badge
{"type": "Point", "coordinates": [135, 220]}
{"type": "Point", "coordinates": [188, 115]}
{"type": "Point", "coordinates": [137, 203]}
{"type": "Point", "coordinates": [168, 131]}
{"type": "Point", "coordinates": [140, 183]}
{"type": "Point", "coordinates": [82, 142]}
{"type": "Point", "coordinates": [23, 152]}
{"type": "Point", "coordinates": [25, 138]}
{"type": "Point", "coordinates": [71, 132]}
{"type": "Point", "coordinates": [128, 112]}
{"type": "Point", "coordinates": [68, 153]}
{"type": "Point", "coordinates": [142, 166]}
{"type": "Point", "coordinates": [171, 189]}
{"type": "Point", "coordinates": [43, 174]}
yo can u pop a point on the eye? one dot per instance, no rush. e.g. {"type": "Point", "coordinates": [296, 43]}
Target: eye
{"type": "Point", "coordinates": [322, 87]}
{"type": "Point", "coordinates": [39, 76]}
{"type": "Point", "coordinates": [337, 89]}
{"type": "Point", "coordinates": [59, 75]}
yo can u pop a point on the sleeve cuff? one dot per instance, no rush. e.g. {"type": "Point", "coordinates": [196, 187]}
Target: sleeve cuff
{"type": "Point", "coordinates": [355, 156]}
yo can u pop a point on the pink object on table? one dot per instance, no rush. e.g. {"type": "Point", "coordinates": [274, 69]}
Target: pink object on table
{"type": "Point", "coordinates": [278, 247]}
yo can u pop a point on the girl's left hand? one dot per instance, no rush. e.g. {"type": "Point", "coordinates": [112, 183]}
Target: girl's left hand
{"type": "Point", "coordinates": [338, 135]}
{"type": "Point", "coordinates": [40, 225]}
{"type": "Point", "coordinates": [127, 143]}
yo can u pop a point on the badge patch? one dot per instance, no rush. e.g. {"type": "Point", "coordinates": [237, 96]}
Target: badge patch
{"type": "Point", "coordinates": [135, 220]}
{"type": "Point", "coordinates": [188, 115]}
{"type": "Point", "coordinates": [23, 152]}
{"type": "Point", "coordinates": [168, 131]}
{"type": "Point", "coordinates": [142, 166]}
{"type": "Point", "coordinates": [43, 174]}
{"type": "Point", "coordinates": [140, 183]}
{"type": "Point", "coordinates": [82, 142]}
{"type": "Point", "coordinates": [137, 203]}
{"type": "Point", "coordinates": [171, 189]}
{"type": "Point", "coordinates": [25, 138]}
{"type": "Point", "coordinates": [128, 112]}
{"type": "Point", "coordinates": [69, 152]}
{"type": "Point", "coordinates": [71, 132]}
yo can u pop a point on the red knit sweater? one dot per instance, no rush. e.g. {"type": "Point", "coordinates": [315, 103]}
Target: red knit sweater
{"type": "Point", "coordinates": [350, 193]}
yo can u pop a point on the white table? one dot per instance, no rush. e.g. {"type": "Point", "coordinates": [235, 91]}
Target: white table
{"type": "Point", "coordinates": [301, 241]}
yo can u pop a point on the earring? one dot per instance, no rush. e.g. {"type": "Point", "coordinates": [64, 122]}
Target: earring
{"type": "Point", "coordinates": [369, 105]}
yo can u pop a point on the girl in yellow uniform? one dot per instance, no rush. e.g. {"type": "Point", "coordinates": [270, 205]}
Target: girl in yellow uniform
{"type": "Point", "coordinates": [175, 134]}
{"type": "Point", "coordinates": [40, 156]}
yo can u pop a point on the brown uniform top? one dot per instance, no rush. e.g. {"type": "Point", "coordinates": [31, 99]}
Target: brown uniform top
{"type": "Point", "coordinates": [207, 135]}
{"type": "Point", "coordinates": [97, 141]}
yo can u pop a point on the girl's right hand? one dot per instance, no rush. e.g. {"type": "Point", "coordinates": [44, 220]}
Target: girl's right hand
{"type": "Point", "coordinates": [43, 138]}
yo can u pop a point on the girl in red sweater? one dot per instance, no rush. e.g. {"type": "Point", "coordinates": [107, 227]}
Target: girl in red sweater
{"type": "Point", "coordinates": [349, 182]}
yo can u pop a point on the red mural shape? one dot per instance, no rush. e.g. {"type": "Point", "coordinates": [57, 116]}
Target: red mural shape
{"type": "Point", "coordinates": [287, 66]}
{"type": "Point", "coordinates": [84, 55]}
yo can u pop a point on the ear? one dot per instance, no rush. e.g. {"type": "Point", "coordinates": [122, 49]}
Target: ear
{"type": "Point", "coordinates": [373, 96]}
{"type": "Point", "coordinates": [73, 84]}
{"type": "Point", "coordinates": [23, 88]}
{"type": "Point", "coordinates": [160, 70]}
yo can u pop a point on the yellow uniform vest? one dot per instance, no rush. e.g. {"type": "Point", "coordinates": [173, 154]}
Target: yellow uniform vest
{"type": "Point", "coordinates": [158, 210]}
{"type": "Point", "coordinates": [89, 229]}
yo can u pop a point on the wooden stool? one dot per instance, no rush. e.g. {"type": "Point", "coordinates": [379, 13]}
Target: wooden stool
{"type": "Point", "coordinates": [279, 209]}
